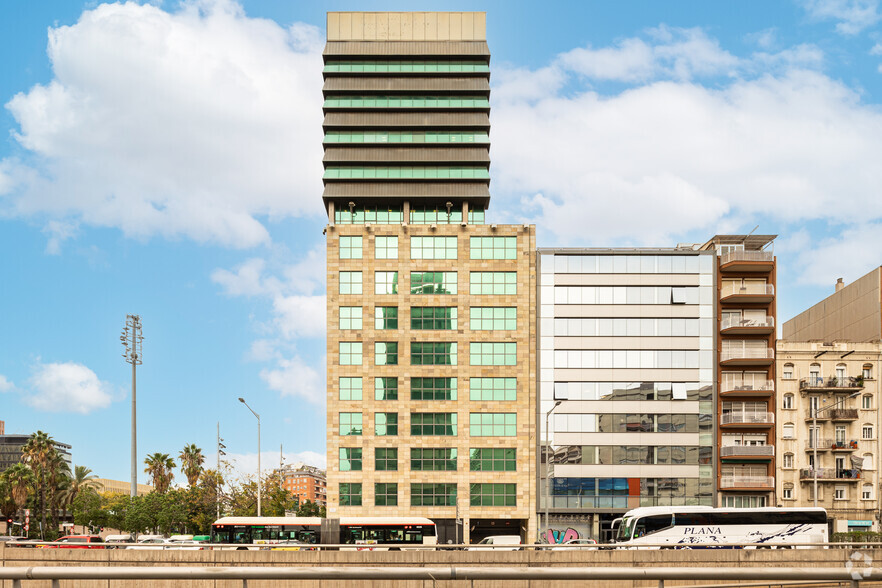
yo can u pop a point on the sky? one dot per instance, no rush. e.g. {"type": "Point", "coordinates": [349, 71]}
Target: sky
{"type": "Point", "coordinates": [164, 159]}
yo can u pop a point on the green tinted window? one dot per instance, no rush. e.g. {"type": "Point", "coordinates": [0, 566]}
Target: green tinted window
{"type": "Point", "coordinates": [433, 247]}
{"type": "Point", "coordinates": [386, 247]}
{"type": "Point", "coordinates": [433, 388]}
{"type": "Point", "coordinates": [367, 214]}
{"type": "Point", "coordinates": [350, 282]}
{"type": "Point", "coordinates": [433, 459]}
{"type": "Point", "coordinates": [493, 495]}
{"type": "Point", "coordinates": [386, 353]}
{"type": "Point", "coordinates": [493, 389]}
{"type": "Point", "coordinates": [386, 318]}
{"type": "Point", "coordinates": [350, 317]}
{"type": "Point", "coordinates": [500, 283]}
{"type": "Point", "coordinates": [433, 282]}
{"type": "Point", "coordinates": [401, 137]}
{"type": "Point", "coordinates": [493, 353]}
{"type": "Point", "coordinates": [386, 388]}
{"type": "Point", "coordinates": [433, 423]}
{"type": "Point", "coordinates": [493, 459]}
{"type": "Point", "coordinates": [424, 102]}
{"type": "Point", "coordinates": [350, 459]}
{"type": "Point", "coordinates": [407, 173]}
{"type": "Point", "coordinates": [433, 353]}
{"type": "Point", "coordinates": [386, 423]}
{"type": "Point", "coordinates": [386, 459]}
{"type": "Point", "coordinates": [350, 388]}
{"type": "Point", "coordinates": [350, 423]}
{"type": "Point", "coordinates": [350, 494]}
{"type": "Point", "coordinates": [489, 424]}
{"type": "Point", "coordinates": [433, 494]}
{"type": "Point", "coordinates": [428, 215]}
{"type": "Point", "coordinates": [385, 282]}
{"type": "Point", "coordinates": [350, 353]}
{"type": "Point", "coordinates": [385, 494]}
{"type": "Point", "coordinates": [493, 247]}
{"type": "Point", "coordinates": [432, 318]}
{"type": "Point", "coordinates": [493, 318]}
{"type": "Point", "coordinates": [350, 247]}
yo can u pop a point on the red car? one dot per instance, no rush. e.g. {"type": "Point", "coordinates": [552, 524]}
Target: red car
{"type": "Point", "coordinates": [77, 542]}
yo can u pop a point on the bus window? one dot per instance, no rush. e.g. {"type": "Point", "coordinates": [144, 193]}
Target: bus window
{"type": "Point", "coordinates": [653, 524]}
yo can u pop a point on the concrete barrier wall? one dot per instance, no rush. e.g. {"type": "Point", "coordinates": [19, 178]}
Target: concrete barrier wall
{"type": "Point", "coordinates": [20, 557]}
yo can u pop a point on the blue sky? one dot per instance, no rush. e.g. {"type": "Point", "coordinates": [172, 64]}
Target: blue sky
{"type": "Point", "coordinates": [164, 159]}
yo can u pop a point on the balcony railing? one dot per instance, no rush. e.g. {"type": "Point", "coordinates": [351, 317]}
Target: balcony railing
{"type": "Point", "coordinates": [747, 451]}
{"type": "Point", "coordinates": [823, 444]}
{"type": "Point", "coordinates": [747, 418]}
{"type": "Point", "coordinates": [743, 323]}
{"type": "Point", "coordinates": [747, 353]}
{"type": "Point", "coordinates": [747, 290]}
{"type": "Point", "coordinates": [843, 414]}
{"type": "Point", "coordinates": [829, 474]}
{"type": "Point", "coordinates": [747, 481]}
{"type": "Point", "coordinates": [746, 256]}
{"type": "Point", "coordinates": [844, 445]}
{"type": "Point", "coordinates": [850, 382]}
{"type": "Point", "coordinates": [818, 415]}
{"type": "Point", "coordinates": [752, 386]}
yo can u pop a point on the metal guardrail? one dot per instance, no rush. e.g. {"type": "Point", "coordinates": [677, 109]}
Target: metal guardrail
{"type": "Point", "coordinates": [747, 290]}
{"type": "Point", "coordinates": [659, 574]}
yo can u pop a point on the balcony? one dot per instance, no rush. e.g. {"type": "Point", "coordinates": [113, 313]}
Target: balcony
{"type": "Point", "coordinates": [747, 482]}
{"type": "Point", "coordinates": [843, 414]}
{"type": "Point", "coordinates": [817, 415]}
{"type": "Point", "coordinates": [846, 446]}
{"type": "Point", "coordinates": [829, 475]}
{"type": "Point", "coordinates": [747, 419]}
{"type": "Point", "coordinates": [747, 293]}
{"type": "Point", "coordinates": [823, 445]}
{"type": "Point", "coordinates": [756, 387]}
{"type": "Point", "coordinates": [848, 384]}
{"type": "Point", "coordinates": [745, 326]}
{"type": "Point", "coordinates": [748, 451]}
{"type": "Point", "coordinates": [747, 261]}
{"type": "Point", "coordinates": [747, 356]}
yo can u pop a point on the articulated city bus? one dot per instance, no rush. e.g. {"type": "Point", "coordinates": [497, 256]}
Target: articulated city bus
{"type": "Point", "coordinates": [384, 532]}
{"type": "Point", "coordinates": [704, 526]}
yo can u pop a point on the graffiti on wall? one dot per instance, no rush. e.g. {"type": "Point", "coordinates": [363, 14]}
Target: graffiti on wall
{"type": "Point", "coordinates": [556, 536]}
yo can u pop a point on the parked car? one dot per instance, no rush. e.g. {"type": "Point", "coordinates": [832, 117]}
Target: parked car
{"type": "Point", "coordinates": [507, 543]}
{"type": "Point", "coordinates": [112, 540]}
{"type": "Point", "coordinates": [7, 538]}
{"type": "Point", "coordinates": [150, 542]}
{"type": "Point", "coordinates": [76, 542]}
{"type": "Point", "coordinates": [575, 544]}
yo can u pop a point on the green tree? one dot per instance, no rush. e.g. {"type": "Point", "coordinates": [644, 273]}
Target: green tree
{"type": "Point", "coordinates": [20, 480]}
{"type": "Point", "coordinates": [160, 467]}
{"type": "Point", "coordinates": [276, 501]}
{"type": "Point", "coordinates": [87, 508]}
{"type": "Point", "coordinates": [191, 463]}
{"type": "Point", "coordinates": [309, 508]}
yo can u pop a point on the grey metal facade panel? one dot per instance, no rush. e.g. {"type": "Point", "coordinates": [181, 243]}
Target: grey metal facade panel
{"type": "Point", "coordinates": [399, 120]}
{"type": "Point", "coordinates": [406, 190]}
{"type": "Point", "coordinates": [415, 154]}
{"type": "Point", "coordinates": [406, 49]}
{"type": "Point", "coordinates": [449, 85]}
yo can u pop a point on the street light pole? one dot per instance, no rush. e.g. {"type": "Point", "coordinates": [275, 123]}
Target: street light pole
{"type": "Point", "coordinates": [132, 340]}
{"type": "Point", "coordinates": [242, 400]}
{"type": "Point", "coordinates": [548, 463]}
{"type": "Point", "coordinates": [815, 440]}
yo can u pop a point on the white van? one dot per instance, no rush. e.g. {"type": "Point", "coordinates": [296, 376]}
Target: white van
{"type": "Point", "coordinates": [500, 543]}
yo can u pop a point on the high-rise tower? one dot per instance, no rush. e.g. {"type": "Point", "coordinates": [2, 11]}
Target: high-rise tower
{"type": "Point", "coordinates": [431, 361]}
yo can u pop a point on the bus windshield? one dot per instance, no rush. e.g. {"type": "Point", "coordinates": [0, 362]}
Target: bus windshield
{"type": "Point", "coordinates": [624, 529]}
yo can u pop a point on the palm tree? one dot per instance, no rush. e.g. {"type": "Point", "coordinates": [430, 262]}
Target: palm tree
{"type": "Point", "coordinates": [37, 453]}
{"type": "Point", "coordinates": [83, 480]}
{"type": "Point", "coordinates": [20, 480]}
{"type": "Point", "coordinates": [58, 483]}
{"type": "Point", "coordinates": [161, 468]}
{"type": "Point", "coordinates": [191, 463]}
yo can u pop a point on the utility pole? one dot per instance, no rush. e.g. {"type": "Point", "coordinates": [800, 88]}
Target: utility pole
{"type": "Point", "coordinates": [132, 340]}
{"type": "Point", "coordinates": [220, 452]}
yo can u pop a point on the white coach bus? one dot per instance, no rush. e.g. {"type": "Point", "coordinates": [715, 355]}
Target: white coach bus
{"type": "Point", "coordinates": [704, 526]}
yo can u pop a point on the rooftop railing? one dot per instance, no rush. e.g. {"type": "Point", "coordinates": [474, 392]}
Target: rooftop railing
{"type": "Point", "coordinates": [746, 256]}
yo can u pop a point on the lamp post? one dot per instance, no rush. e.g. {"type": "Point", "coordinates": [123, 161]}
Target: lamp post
{"type": "Point", "coordinates": [132, 340]}
{"type": "Point", "coordinates": [814, 440]}
{"type": "Point", "coordinates": [242, 400]}
{"type": "Point", "coordinates": [548, 462]}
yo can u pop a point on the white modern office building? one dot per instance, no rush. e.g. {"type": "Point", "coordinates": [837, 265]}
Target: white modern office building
{"type": "Point", "coordinates": [627, 341]}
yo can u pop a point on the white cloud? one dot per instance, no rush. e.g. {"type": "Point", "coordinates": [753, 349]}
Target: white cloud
{"type": "Point", "coordinates": [67, 387]}
{"type": "Point", "coordinates": [5, 384]}
{"type": "Point", "coordinates": [849, 255]}
{"type": "Point", "coordinates": [293, 377]}
{"type": "Point", "coordinates": [187, 124]}
{"type": "Point", "coordinates": [765, 39]}
{"type": "Point", "coordinates": [300, 316]}
{"type": "Point", "coordinates": [59, 232]}
{"type": "Point", "coordinates": [877, 49]}
{"type": "Point", "coordinates": [246, 280]}
{"type": "Point", "coordinates": [853, 15]}
{"type": "Point", "coordinates": [643, 164]}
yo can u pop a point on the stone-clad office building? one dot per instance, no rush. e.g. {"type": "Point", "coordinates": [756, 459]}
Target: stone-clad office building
{"type": "Point", "coordinates": [431, 356]}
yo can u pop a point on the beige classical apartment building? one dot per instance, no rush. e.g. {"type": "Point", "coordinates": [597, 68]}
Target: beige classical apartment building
{"type": "Point", "coordinates": [828, 430]}
{"type": "Point", "coordinates": [431, 346]}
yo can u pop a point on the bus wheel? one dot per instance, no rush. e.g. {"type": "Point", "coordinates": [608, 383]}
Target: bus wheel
{"type": "Point", "coordinates": [241, 549]}
{"type": "Point", "coordinates": [394, 549]}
